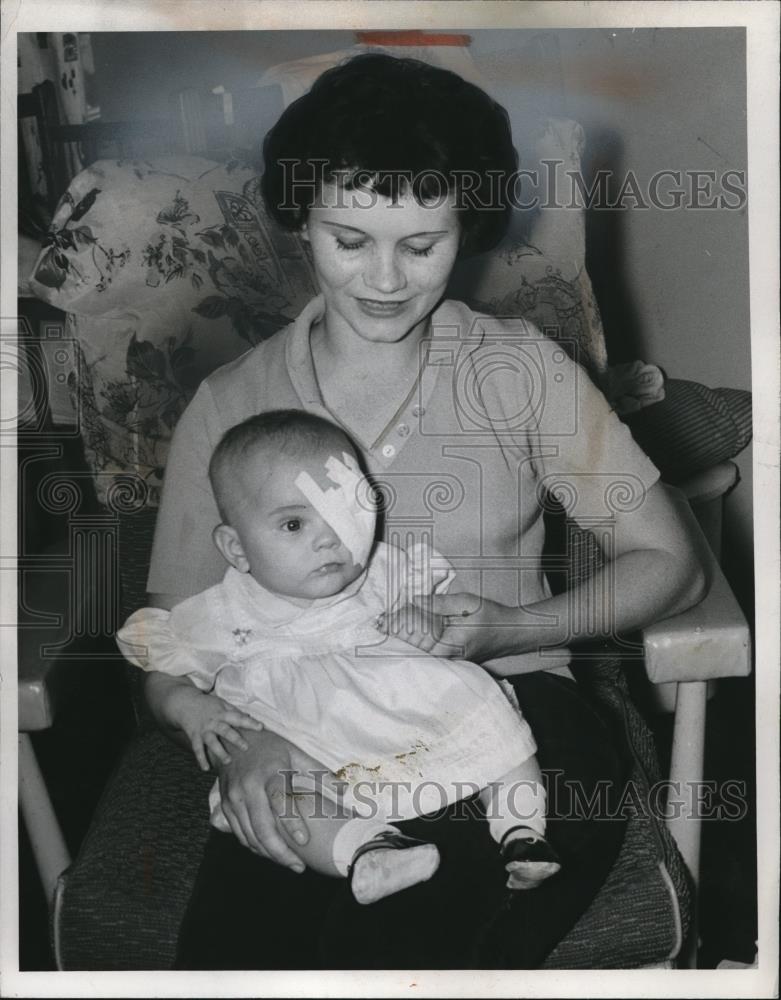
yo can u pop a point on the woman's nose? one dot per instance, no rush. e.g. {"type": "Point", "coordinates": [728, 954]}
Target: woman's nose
{"type": "Point", "coordinates": [383, 273]}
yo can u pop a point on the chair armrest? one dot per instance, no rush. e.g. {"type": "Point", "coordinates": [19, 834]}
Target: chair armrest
{"type": "Point", "coordinates": [709, 640]}
{"type": "Point", "coordinates": [65, 625]}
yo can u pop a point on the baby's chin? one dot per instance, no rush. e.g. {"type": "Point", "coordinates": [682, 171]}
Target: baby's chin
{"type": "Point", "coordinates": [328, 582]}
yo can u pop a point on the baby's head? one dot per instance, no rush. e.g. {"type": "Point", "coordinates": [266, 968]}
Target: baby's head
{"type": "Point", "coordinates": [297, 512]}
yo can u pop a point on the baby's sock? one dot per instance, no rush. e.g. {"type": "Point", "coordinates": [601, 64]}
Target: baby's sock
{"type": "Point", "coordinates": [380, 860]}
{"type": "Point", "coordinates": [354, 834]}
{"type": "Point", "coordinates": [515, 811]}
{"type": "Point", "coordinates": [511, 804]}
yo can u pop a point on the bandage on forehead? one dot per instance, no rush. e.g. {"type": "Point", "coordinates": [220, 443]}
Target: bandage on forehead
{"type": "Point", "coordinates": [349, 506]}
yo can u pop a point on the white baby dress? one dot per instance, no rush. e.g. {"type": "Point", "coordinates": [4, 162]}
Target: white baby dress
{"type": "Point", "coordinates": [414, 732]}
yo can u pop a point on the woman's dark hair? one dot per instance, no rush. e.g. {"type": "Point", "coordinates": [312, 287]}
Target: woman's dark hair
{"type": "Point", "coordinates": [392, 125]}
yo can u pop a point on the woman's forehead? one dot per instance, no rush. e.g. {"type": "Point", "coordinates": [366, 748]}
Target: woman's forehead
{"type": "Point", "coordinates": [361, 208]}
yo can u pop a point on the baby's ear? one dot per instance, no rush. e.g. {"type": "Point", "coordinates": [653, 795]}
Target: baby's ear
{"type": "Point", "coordinates": [227, 541]}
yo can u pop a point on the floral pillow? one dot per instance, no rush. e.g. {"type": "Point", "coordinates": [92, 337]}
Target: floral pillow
{"type": "Point", "coordinates": [539, 270]}
{"type": "Point", "coordinates": [165, 270]}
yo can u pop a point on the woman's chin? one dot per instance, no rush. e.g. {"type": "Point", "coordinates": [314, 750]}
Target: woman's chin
{"type": "Point", "coordinates": [392, 331]}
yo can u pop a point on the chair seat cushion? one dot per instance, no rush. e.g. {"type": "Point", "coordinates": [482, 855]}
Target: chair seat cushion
{"type": "Point", "coordinates": [642, 914]}
{"type": "Point", "coordinates": [124, 897]}
{"type": "Point", "coordinates": [123, 900]}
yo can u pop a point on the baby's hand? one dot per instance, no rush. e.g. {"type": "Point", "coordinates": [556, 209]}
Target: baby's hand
{"type": "Point", "coordinates": [209, 722]}
{"type": "Point", "coordinates": [423, 624]}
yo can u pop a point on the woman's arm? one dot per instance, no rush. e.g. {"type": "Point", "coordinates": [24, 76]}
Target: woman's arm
{"type": "Point", "coordinates": [582, 454]}
{"type": "Point", "coordinates": [252, 782]}
{"type": "Point", "coordinates": [655, 570]}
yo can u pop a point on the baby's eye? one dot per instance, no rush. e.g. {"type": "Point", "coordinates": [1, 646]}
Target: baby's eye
{"type": "Point", "coordinates": [293, 524]}
{"type": "Point", "coordinates": [346, 245]}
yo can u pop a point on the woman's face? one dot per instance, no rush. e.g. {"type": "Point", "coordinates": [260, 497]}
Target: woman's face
{"type": "Point", "coordinates": [382, 266]}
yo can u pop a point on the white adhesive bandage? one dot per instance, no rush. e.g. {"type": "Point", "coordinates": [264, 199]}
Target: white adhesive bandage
{"type": "Point", "coordinates": [348, 506]}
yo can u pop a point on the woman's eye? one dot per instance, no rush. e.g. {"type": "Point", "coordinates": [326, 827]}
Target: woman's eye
{"type": "Point", "coordinates": [349, 246]}
{"type": "Point", "coordinates": [294, 524]}
{"type": "Point", "coordinates": [356, 245]}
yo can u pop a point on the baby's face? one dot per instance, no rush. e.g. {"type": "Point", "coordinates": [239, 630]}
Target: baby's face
{"type": "Point", "coordinates": [290, 549]}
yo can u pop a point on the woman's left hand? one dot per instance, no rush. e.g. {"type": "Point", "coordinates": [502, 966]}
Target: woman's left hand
{"type": "Point", "coordinates": [457, 626]}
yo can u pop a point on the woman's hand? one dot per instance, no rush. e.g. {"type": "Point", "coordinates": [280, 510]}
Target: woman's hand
{"type": "Point", "coordinates": [457, 626]}
{"type": "Point", "coordinates": [254, 783]}
{"type": "Point", "coordinates": [257, 800]}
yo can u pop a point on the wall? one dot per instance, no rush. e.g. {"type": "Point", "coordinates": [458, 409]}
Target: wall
{"type": "Point", "coordinates": [672, 285]}
{"type": "Point", "coordinates": [136, 72]}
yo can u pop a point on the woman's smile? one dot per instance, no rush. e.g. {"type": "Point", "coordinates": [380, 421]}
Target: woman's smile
{"type": "Point", "coordinates": [375, 307]}
{"type": "Point", "coordinates": [382, 265]}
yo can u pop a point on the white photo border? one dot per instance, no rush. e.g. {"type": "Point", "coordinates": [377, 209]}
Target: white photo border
{"type": "Point", "coordinates": [762, 40]}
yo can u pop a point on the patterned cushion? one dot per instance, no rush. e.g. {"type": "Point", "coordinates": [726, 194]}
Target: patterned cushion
{"type": "Point", "coordinates": [166, 270]}
{"type": "Point", "coordinates": [539, 269]}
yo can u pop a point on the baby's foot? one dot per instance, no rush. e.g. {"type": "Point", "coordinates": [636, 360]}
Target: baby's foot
{"type": "Point", "coordinates": [529, 858]}
{"type": "Point", "coordinates": [389, 863]}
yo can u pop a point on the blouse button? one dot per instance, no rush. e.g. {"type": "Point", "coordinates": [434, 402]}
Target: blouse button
{"type": "Point", "coordinates": [402, 430]}
{"type": "Point", "coordinates": [418, 411]}
{"type": "Point", "coordinates": [388, 451]}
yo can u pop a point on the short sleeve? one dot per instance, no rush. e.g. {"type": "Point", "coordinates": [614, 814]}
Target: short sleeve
{"type": "Point", "coordinates": [542, 406]}
{"type": "Point", "coordinates": [585, 456]}
{"type": "Point", "coordinates": [185, 560]}
{"type": "Point", "coordinates": [148, 640]}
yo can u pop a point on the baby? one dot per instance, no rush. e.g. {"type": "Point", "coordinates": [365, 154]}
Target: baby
{"type": "Point", "coordinates": [290, 641]}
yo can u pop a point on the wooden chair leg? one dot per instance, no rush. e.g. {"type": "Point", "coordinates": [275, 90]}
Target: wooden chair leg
{"type": "Point", "coordinates": [48, 844]}
{"type": "Point", "coordinates": [687, 767]}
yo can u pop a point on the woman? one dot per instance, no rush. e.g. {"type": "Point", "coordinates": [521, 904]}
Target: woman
{"type": "Point", "coordinates": [388, 169]}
